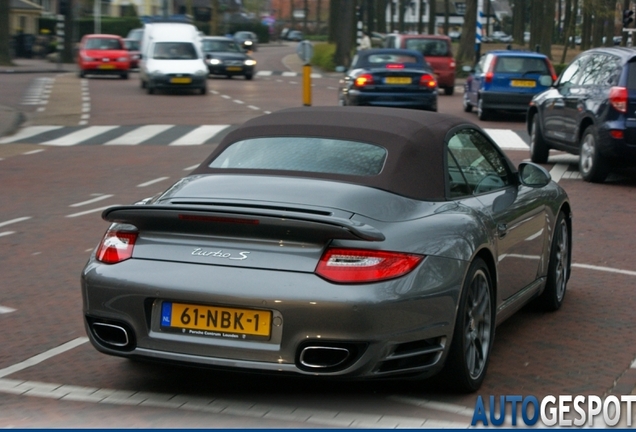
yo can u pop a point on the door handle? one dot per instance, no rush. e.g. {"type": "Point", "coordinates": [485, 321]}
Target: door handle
{"type": "Point", "coordinates": [502, 230]}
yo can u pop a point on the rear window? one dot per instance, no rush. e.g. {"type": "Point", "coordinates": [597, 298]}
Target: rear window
{"type": "Point", "coordinates": [631, 75]}
{"type": "Point", "coordinates": [103, 44]}
{"type": "Point", "coordinates": [381, 60]}
{"type": "Point", "coordinates": [428, 47]}
{"type": "Point", "coordinates": [220, 46]}
{"type": "Point", "coordinates": [320, 155]}
{"type": "Point", "coordinates": [521, 65]}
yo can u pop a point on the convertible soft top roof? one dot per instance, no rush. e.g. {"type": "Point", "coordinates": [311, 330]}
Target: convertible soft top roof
{"type": "Point", "coordinates": [414, 140]}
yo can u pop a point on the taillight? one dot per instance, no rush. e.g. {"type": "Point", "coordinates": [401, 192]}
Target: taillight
{"type": "Point", "coordinates": [362, 265]}
{"type": "Point", "coordinates": [363, 80]}
{"type": "Point", "coordinates": [451, 64]}
{"type": "Point", "coordinates": [116, 246]}
{"type": "Point", "coordinates": [618, 98]}
{"type": "Point", "coordinates": [617, 134]}
{"type": "Point", "coordinates": [428, 81]}
{"type": "Point", "coordinates": [488, 77]}
{"type": "Point", "coordinates": [552, 71]}
{"type": "Point", "coordinates": [395, 66]}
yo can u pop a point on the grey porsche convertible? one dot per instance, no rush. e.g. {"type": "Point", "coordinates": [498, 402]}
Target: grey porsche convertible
{"type": "Point", "coordinates": [351, 242]}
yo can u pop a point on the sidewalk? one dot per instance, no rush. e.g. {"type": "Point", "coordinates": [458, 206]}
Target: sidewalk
{"type": "Point", "coordinates": [10, 118]}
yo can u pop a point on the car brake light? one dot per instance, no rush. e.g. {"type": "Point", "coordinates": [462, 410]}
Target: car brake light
{"type": "Point", "coordinates": [428, 81]}
{"type": "Point", "coordinates": [395, 66]}
{"type": "Point", "coordinates": [361, 265]}
{"type": "Point", "coordinates": [617, 134]}
{"type": "Point", "coordinates": [116, 246]}
{"type": "Point", "coordinates": [363, 80]}
{"type": "Point", "coordinates": [618, 98]}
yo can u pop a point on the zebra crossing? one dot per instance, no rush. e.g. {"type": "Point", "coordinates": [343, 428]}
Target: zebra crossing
{"type": "Point", "coordinates": [173, 135]}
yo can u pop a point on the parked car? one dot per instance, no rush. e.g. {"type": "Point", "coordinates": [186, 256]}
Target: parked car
{"type": "Point", "coordinates": [589, 112]}
{"type": "Point", "coordinates": [294, 35]}
{"type": "Point", "coordinates": [246, 40]}
{"type": "Point", "coordinates": [499, 36]}
{"type": "Point", "coordinates": [103, 54]}
{"type": "Point", "coordinates": [350, 242]}
{"type": "Point", "coordinates": [377, 39]}
{"type": "Point", "coordinates": [389, 77]}
{"type": "Point", "coordinates": [437, 51]}
{"type": "Point", "coordinates": [506, 80]}
{"type": "Point", "coordinates": [225, 57]}
{"type": "Point", "coordinates": [134, 49]}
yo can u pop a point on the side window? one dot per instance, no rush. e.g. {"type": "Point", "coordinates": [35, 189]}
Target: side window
{"type": "Point", "coordinates": [571, 75]}
{"type": "Point", "coordinates": [483, 63]}
{"type": "Point", "coordinates": [458, 186]}
{"type": "Point", "coordinates": [482, 166]}
{"type": "Point", "coordinates": [610, 72]}
{"type": "Point", "coordinates": [592, 72]}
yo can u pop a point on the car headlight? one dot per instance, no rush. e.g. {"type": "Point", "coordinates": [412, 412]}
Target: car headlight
{"type": "Point", "coordinates": [87, 58]}
{"type": "Point", "coordinates": [250, 62]}
{"type": "Point", "coordinates": [215, 62]}
{"type": "Point", "coordinates": [200, 72]}
{"type": "Point", "coordinates": [248, 42]}
{"type": "Point", "coordinates": [122, 59]}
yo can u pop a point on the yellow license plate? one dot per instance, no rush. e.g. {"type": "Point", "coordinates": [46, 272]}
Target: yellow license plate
{"type": "Point", "coordinates": [523, 83]}
{"type": "Point", "coordinates": [234, 68]}
{"type": "Point", "coordinates": [107, 66]}
{"type": "Point", "coordinates": [397, 80]}
{"type": "Point", "coordinates": [215, 320]}
{"type": "Point", "coordinates": [180, 80]}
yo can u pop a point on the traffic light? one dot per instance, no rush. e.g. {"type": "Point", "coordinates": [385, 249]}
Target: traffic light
{"type": "Point", "coordinates": [628, 17]}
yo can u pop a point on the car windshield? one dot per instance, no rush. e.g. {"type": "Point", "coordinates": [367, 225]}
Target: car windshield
{"type": "Point", "coordinates": [244, 35]}
{"type": "Point", "coordinates": [428, 47]}
{"type": "Point", "coordinates": [102, 44]}
{"type": "Point", "coordinates": [174, 51]}
{"type": "Point", "coordinates": [220, 46]}
{"type": "Point", "coordinates": [131, 44]}
{"type": "Point", "coordinates": [320, 155]}
{"type": "Point", "coordinates": [509, 64]}
{"type": "Point", "coordinates": [382, 59]}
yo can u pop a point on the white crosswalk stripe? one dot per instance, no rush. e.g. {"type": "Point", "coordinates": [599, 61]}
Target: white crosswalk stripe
{"type": "Point", "coordinates": [174, 135]}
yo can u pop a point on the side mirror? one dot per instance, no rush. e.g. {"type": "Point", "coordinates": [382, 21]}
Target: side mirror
{"type": "Point", "coordinates": [208, 56]}
{"type": "Point", "coordinates": [532, 175]}
{"type": "Point", "coordinates": [545, 80]}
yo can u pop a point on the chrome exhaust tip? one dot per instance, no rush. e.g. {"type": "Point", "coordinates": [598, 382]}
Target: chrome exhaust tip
{"type": "Point", "coordinates": [323, 357]}
{"type": "Point", "coordinates": [111, 334]}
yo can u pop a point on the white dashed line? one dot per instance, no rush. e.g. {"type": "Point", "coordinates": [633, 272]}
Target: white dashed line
{"type": "Point", "coordinates": [190, 168]}
{"type": "Point", "coordinates": [605, 269]}
{"type": "Point", "coordinates": [214, 92]}
{"type": "Point", "coordinates": [6, 233]}
{"type": "Point", "coordinates": [33, 152]}
{"type": "Point", "coordinates": [226, 97]}
{"type": "Point", "coordinates": [157, 180]}
{"type": "Point", "coordinates": [255, 108]}
{"type": "Point", "coordinates": [90, 211]}
{"type": "Point", "coordinates": [91, 201]}
{"type": "Point", "coordinates": [16, 220]}
{"type": "Point", "coordinates": [5, 310]}
{"type": "Point", "coordinates": [289, 74]}
{"type": "Point", "coordinates": [42, 357]}
{"type": "Point", "coordinates": [557, 171]}
{"type": "Point", "coordinates": [238, 101]}
{"type": "Point", "coordinates": [438, 406]}
{"type": "Point", "coordinates": [293, 82]}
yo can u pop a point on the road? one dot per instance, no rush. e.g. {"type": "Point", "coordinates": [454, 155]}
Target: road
{"type": "Point", "coordinates": [52, 194]}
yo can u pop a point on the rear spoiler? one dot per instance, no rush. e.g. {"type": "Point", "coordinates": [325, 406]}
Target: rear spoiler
{"type": "Point", "coordinates": [244, 222]}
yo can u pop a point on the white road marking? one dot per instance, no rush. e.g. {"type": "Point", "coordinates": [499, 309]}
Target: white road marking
{"type": "Point", "coordinates": [293, 82]}
{"type": "Point", "coordinates": [507, 139]}
{"type": "Point", "coordinates": [267, 112]}
{"type": "Point", "coordinates": [190, 168]}
{"type": "Point", "coordinates": [557, 171]}
{"type": "Point", "coordinates": [28, 132]}
{"type": "Point", "coordinates": [255, 108]}
{"type": "Point", "coordinates": [289, 74]}
{"type": "Point", "coordinates": [42, 357]}
{"type": "Point", "coordinates": [605, 269]}
{"type": "Point", "coordinates": [16, 220]}
{"type": "Point", "coordinates": [91, 201]}
{"type": "Point", "coordinates": [5, 309]}
{"type": "Point", "coordinates": [214, 92]}
{"type": "Point", "coordinates": [199, 135]}
{"type": "Point", "coordinates": [238, 101]}
{"type": "Point", "coordinates": [157, 180]}
{"type": "Point", "coordinates": [90, 211]}
{"type": "Point", "coordinates": [315, 75]}
{"type": "Point", "coordinates": [33, 152]}
{"type": "Point", "coordinates": [226, 97]}
{"type": "Point", "coordinates": [79, 136]}
{"type": "Point", "coordinates": [139, 135]}
{"type": "Point", "coordinates": [6, 233]}
{"type": "Point", "coordinates": [264, 73]}
{"type": "Point", "coordinates": [438, 406]}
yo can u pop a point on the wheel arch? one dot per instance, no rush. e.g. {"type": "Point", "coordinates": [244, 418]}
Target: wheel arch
{"type": "Point", "coordinates": [585, 123]}
{"type": "Point", "coordinates": [486, 255]}
{"type": "Point", "coordinates": [532, 111]}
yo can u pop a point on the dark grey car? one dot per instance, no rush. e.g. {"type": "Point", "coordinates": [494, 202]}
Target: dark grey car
{"type": "Point", "coordinates": [336, 242]}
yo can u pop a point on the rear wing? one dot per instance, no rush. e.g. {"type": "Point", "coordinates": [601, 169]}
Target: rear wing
{"type": "Point", "coordinates": [244, 222]}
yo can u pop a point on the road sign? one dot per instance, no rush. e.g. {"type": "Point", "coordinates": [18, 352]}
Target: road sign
{"type": "Point", "coordinates": [305, 51]}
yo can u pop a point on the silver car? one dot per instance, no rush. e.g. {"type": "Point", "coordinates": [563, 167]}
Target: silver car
{"type": "Point", "coordinates": [337, 242]}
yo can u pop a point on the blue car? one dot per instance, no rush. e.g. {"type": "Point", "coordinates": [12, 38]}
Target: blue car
{"type": "Point", "coordinates": [507, 80]}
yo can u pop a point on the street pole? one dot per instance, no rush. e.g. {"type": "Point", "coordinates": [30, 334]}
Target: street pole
{"type": "Point", "coordinates": [478, 29]}
{"type": "Point", "coordinates": [97, 16]}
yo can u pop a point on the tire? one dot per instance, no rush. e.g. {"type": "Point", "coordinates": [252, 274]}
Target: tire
{"type": "Point", "coordinates": [150, 89]}
{"type": "Point", "coordinates": [539, 149]}
{"type": "Point", "coordinates": [592, 165]}
{"type": "Point", "coordinates": [482, 113]}
{"type": "Point", "coordinates": [81, 74]}
{"type": "Point", "coordinates": [474, 332]}
{"type": "Point", "coordinates": [203, 90]}
{"type": "Point", "coordinates": [249, 76]}
{"type": "Point", "coordinates": [558, 268]}
{"type": "Point", "coordinates": [448, 91]}
{"type": "Point", "coordinates": [124, 75]}
{"type": "Point", "coordinates": [467, 106]}
{"type": "Point", "coordinates": [143, 84]}
{"type": "Point", "coordinates": [229, 76]}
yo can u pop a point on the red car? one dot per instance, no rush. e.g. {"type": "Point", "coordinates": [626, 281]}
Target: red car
{"type": "Point", "coordinates": [103, 54]}
{"type": "Point", "coordinates": [134, 49]}
{"type": "Point", "coordinates": [436, 49]}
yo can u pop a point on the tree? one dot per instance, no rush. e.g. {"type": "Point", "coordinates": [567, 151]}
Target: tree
{"type": "Point", "coordinates": [466, 51]}
{"type": "Point", "coordinates": [380, 13]}
{"type": "Point", "coordinates": [518, 21]}
{"type": "Point", "coordinates": [5, 35]}
{"type": "Point", "coordinates": [345, 25]}
{"type": "Point", "coordinates": [432, 13]}
{"type": "Point", "coordinates": [446, 16]}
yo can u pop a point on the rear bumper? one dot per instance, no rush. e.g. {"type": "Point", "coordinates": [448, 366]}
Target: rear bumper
{"type": "Point", "coordinates": [164, 82]}
{"type": "Point", "coordinates": [424, 100]}
{"type": "Point", "coordinates": [445, 78]}
{"type": "Point", "coordinates": [506, 101]}
{"type": "Point", "coordinates": [621, 150]}
{"type": "Point", "coordinates": [105, 69]}
{"type": "Point", "coordinates": [223, 70]}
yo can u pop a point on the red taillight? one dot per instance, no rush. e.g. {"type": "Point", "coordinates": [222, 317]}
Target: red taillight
{"type": "Point", "coordinates": [428, 81]}
{"type": "Point", "coordinates": [395, 66]}
{"type": "Point", "coordinates": [363, 80]}
{"type": "Point", "coordinates": [116, 246]}
{"type": "Point", "coordinates": [618, 98]}
{"type": "Point", "coordinates": [361, 265]}
{"type": "Point", "coordinates": [552, 71]}
{"type": "Point", "coordinates": [451, 64]}
{"type": "Point", "coordinates": [617, 134]}
{"type": "Point", "coordinates": [488, 77]}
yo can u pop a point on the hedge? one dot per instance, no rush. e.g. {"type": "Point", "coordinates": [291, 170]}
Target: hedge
{"type": "Point", "coordinates": [117, 26]}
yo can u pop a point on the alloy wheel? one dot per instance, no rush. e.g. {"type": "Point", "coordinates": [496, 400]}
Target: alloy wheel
{"type": "Point", "coordinates": [478, 325]}
{"type": "Point", "coordinates": [562, 257]}
{"type": "Point", "coordinates": [587, 153]}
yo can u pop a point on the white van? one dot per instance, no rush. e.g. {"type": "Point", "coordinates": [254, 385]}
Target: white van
{"type": "Point", "coordinates": [171, 58]}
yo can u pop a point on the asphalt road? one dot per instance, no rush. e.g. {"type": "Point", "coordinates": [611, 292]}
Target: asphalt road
{"type": "Point", "coordinates": [51, 196]}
